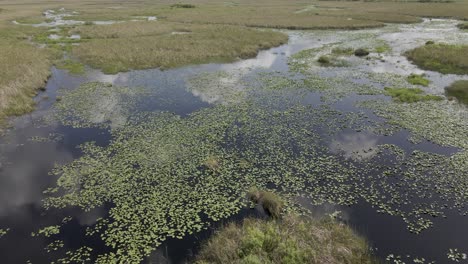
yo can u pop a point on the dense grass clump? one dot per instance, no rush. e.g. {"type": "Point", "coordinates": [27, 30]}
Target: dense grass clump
{"type": "Point", "coordinates": [418, 79]}
{"type": "Point", "coordinates": [290, 240]}
{"type": "Point", "coordinates": [361, 52]}
{"type": "Point", "coordinates": [444, 58]}
{"type": "Point", "coordinates": [271, 203]}
{"type": "Point", "coordinates": [324, 60]}
{"type": "Point", "coordinates": [459, 90]}
{"type": "Point", "coordinates": [23, 70]}
{"type": "Point", "coordinates": [410, 95]}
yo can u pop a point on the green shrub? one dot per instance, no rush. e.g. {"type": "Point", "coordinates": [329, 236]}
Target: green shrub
{"type": "Point", "coordinates": [323, 60]}
{"type": "Point", "coordinates": [463, 26]}
{"type": "Point", "coordinates": [418, 79]}
{"type": "Point", "coordinates": [430, 42]}
{"type": "Point", "coordinates": [361, 52]}
{"type": "Point", "coordinates": [290, 240]}
{"type": "Point", "coordinates": [459, 90]}
{"type": "Point", "coordinates": [410, 95]}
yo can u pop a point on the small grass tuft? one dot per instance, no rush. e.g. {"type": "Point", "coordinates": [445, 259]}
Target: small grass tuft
{"type": "Point", "coordinates": [290, 240]}
{"type": "Point", "coordinates": [71, 66]}
{"type": "Point", "coordinates": [324, 60]}
{"type": "Point", "coordinates": [430, 42]}
{"type": "Point", "coordinates": [361, 52]}
{"type": "Point", "coordinates": [418, 79]}
{"type": "Point", "coordinates": [271, 202]}
{"type": "Point", "coordinates": [410, 95]}
{"type": "Point", "coordinates": [463, 26]}
{"type": "Point", "coordinates": [342, 51]}
{"type": "Point", "coordinates": [459, 90]}
{"type": "Point", "coordinates": [212, 163]}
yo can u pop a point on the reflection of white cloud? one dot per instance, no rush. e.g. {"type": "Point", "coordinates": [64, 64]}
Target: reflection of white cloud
{"type": "Point", "coordinates": [24, 173]}
{"type": "Point", "coordinates": [217, 87]}
{"type": "Point", "coordinates": [90, 218]}
{"type": "Point", "coordinates": [358, 147]}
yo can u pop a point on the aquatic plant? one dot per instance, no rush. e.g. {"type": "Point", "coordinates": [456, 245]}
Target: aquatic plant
{"type": "Point", "coordinates": [410, 95]}
{"type": "Point", "coordinates": [71, 66]}
{"type": "Point", "coordinates": [3, 232]}
{"type": "Point", "coordinates": [418, 79]}
{"type": "Point", "coordinates": [459, 90]}
{"type": "Point", "coordinates": [293, 239]}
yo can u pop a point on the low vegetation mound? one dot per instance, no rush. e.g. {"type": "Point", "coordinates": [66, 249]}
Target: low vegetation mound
{"type": "Point", "coordinates": [126, 46]}
{"type": "Point", "coordinates": [410, 95]}
{"type": "Point", "coordinates": [418, 79]}
{"type": "Point", "coordinates": [444, 58]}
{"type": "Point", "coordinates": [290, 240]}
{"type": "Point", "coordinates": [459, 90]}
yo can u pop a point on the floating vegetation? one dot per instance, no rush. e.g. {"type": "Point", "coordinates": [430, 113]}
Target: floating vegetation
{"type": "Point", "coordinates": [47, 231]}
{"type": "Point", "coordinates": [456, 256]}
{"type": "Point", "coordinates": [217, 87]}
{"type": "Point", "coordinates": [410, 95]}
{"type": "Point", "coordinates": [51, 137]}
{"type": "Point", "coordinates": [459, 90]}
{"type": "Point", "coordinates": [96, 104]}
{"type": "Point", "coordinates": [290, 240]}
{"type": "Point", "coordinates": [418, 79]}
{"type": "Point", "coordinates": [54, 246]}
{"type": "Point", "coordinates": [438, 121]}
{"type": "Point", "coordinates": [3, 232]}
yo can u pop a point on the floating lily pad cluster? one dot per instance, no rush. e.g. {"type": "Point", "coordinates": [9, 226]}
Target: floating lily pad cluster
{"type": "Point", "coordinates": [97, 104]}
{"type": "Point", "coordinates": [168, 176]}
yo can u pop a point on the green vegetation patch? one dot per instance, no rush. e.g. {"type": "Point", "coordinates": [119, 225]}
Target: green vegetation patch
{"type": "Point", "coordinates": [96, 104]}
{"type": "Point", "coordinates": [418, 79]}
{"type": "Point", "coordinates": [410, 95]}
{"type": "Point", "coordinates": [3, 232]}
{"type": "Point", "coordinates": [153, 48]}
{"type": "Point", "coordinates": [291, 240]}
{"type": "Point", "coordinates": [73, 67]}
{"type": "Point", "coordinates": [459, 90]}
{"type": "Point", "coordinates": [444, 58]}
{"type": "Point", "coordinates": [463, 26]}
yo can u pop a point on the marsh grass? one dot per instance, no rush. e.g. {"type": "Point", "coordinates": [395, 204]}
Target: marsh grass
{"type": "Point", "coordinates": [127, 46]}
{"type": "Point", "coordinates": [418, 79]}
{"type": "Point", "coordinates": [290, 240]}
{"type": "Point", "coordinates": [270, 202]}
{"type": "Point", "coordinates": [410, 95]}
{"type": "Point", "coordinates": [23, 70]}
{"type": "Point", "coordinates": [459, 90]}
{"type": "Point", "coordinates": [444, 58]}
{"type": "Point", "coordinates": [463, 26]}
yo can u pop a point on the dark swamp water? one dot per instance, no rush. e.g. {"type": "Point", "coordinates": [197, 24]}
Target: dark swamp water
{"type": "Point", "coordinates": [27, 159]}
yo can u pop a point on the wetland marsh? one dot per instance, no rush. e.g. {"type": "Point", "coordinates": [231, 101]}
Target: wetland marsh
{"type": "Point", "coordinates": [125, 162]}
